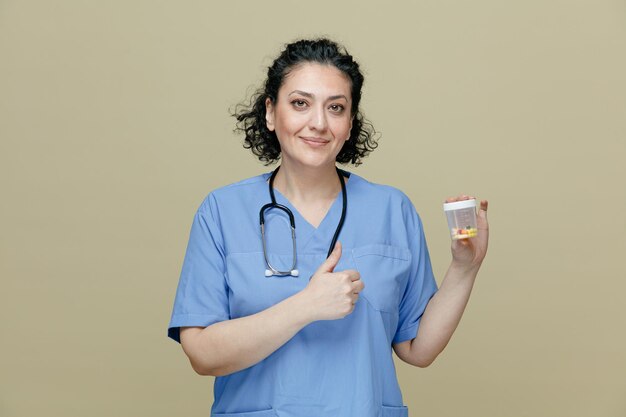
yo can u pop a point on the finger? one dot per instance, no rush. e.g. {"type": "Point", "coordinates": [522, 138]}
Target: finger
{"type": "Point", "coordinates": [461, 243]}
{"type": "Point", "coordinates": [353, 274]}
{"type": "Point", "coordinates": [484, 204]}
{"type": "Point", "coordinates": [459, 198]}
{"type": "Point", "coordinates": [331, 262]}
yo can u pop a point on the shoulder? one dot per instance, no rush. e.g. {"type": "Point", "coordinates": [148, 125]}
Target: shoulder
{"type": "Point", "coordinates": [382, 193]}
{"type": "Point", "coordinates": [388, 212]}
{"type": "Point", "coordinates": [234, 193]}
{"type": "Point", "coordinates": [387, 202]}
{"type": "Point", "coordinates": [241, 186]}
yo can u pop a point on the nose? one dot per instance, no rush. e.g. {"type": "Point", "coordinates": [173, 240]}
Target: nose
{"type": "Point", "coordinates": [318, 119]}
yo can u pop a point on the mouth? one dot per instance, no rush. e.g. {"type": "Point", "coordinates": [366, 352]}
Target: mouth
{"type": "Point", "coordinates": [313, 141]}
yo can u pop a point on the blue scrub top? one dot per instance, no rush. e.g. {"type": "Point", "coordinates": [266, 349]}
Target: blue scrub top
{"type": "Point", "coordinates": [331, 367]}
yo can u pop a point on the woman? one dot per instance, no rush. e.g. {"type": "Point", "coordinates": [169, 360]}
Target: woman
{"type": "Point", "coordinates": [312, 334]}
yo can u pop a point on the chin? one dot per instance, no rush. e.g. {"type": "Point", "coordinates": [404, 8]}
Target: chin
{"type": "Point", "coordinates": [317, 163]}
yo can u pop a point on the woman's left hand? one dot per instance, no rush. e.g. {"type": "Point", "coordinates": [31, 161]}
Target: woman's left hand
{"type": "Point", "coordinates": [444, 310]}
{"type": "Point", "coordinates": [469, 253]}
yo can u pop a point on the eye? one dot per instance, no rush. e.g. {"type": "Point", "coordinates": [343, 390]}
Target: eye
{"type": "Point", "coordinates": [337, 108]}
{"type": "Point", "coordinates": [298, 103]}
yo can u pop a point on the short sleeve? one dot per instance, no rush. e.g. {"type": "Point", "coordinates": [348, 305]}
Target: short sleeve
{"type": "Point", "coordinates": [421, 285]}
{"type": "Point", "coordinates": [202, 293]}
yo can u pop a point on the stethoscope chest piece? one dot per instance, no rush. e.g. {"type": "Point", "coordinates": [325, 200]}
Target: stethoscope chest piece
{"type": "Point", "coordinates": [293, 273]}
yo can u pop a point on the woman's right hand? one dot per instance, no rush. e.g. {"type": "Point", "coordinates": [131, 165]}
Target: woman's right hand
{"type": "Point", "coordinates": [332, 295]}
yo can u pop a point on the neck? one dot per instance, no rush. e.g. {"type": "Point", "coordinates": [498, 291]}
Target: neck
{"type": "Point", "coordinates": [307, 184]}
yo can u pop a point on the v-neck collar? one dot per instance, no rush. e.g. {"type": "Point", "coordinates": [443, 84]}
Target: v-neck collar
{"type": "Point", "coordinates": [305, 231]}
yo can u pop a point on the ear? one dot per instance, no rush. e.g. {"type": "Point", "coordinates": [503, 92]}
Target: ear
{"type": "Point", "coordinates": [269, 114]}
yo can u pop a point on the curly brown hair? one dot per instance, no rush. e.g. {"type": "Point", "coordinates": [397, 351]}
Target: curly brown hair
{"type": "Point", "coordinates": [251, 117]}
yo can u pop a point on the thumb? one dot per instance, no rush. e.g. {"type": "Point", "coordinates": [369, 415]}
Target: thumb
{"type": "Point", "coordinates": [332, 260]}
{"type": "Point", "coordinates": [484, 204]}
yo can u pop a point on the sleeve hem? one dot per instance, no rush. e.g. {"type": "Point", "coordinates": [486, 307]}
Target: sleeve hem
{"type": "Point", "coordinates": [406, 334]}
{"type": "Point", "coordinates": [190, 320]}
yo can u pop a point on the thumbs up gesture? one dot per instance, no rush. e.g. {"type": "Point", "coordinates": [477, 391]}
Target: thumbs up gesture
{"type": "Point", "coordinates": [332, 295]}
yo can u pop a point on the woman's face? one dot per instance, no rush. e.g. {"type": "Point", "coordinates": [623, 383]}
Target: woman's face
{"type": "Point", "coordinates": [311, 115]}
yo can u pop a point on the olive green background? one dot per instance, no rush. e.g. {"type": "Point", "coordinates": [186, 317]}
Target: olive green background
{"type": "Point", "coordinates": [114, 125]}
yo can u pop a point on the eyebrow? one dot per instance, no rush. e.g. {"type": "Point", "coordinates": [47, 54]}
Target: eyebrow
{"type": "Point", "coordinates": [305, 94]}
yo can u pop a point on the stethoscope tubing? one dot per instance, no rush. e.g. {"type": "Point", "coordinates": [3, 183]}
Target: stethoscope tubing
{"type": "Point", "coordinates": [294, 272]}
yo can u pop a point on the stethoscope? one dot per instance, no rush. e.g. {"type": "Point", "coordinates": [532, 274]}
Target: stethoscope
{"type": "Point", "coordinates": [293, 271]}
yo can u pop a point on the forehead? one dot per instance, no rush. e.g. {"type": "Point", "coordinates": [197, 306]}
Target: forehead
{"type": "Point", "coordinates": [316, 79]}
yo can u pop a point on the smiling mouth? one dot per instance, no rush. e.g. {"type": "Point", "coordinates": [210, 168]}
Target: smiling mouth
{"type": "Point", "coordinates": [317, 141]}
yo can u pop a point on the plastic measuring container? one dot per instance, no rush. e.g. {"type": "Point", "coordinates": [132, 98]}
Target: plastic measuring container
{"type": "Point", "coordinates": [461, 218]}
